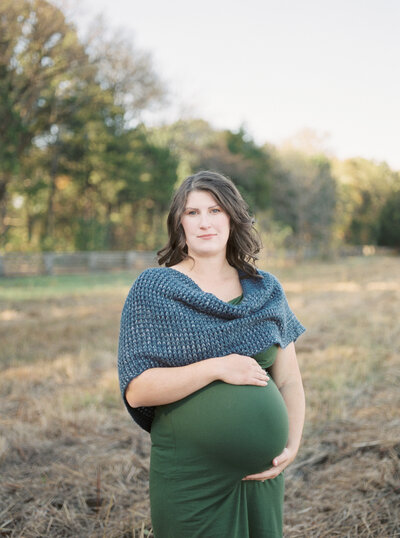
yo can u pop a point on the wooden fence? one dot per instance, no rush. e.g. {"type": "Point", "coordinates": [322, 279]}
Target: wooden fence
{"type": "Point", "coordinates": [60, 263]}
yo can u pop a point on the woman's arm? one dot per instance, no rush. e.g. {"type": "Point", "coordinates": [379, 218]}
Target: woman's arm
{"type": "Point", "coordinates": [286, 374]}
{"type": "Point", "coordinates": [158, 386]}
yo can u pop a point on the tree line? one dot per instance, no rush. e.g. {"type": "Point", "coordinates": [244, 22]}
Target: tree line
{"type": "Point", "coordinates": [80, 170]}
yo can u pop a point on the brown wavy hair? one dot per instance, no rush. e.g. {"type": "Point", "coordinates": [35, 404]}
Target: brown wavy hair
{"type": "Point", "coordinates": [244, 242]}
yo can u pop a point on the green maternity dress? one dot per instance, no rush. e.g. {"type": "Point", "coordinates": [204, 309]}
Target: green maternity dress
{"type": "Point", "coordinates": [201, 448]}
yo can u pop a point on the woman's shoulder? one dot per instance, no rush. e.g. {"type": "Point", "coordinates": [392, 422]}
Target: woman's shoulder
{"type": "Point", "coordinates": [269, 279]}
{"type": "Point", "coordinates": [148, 276]}
{"type": "Point", "coordinates": [147, 286]}
{"type": "Point", "coordinates": [153, 278]}
{"type": "Point", "coordinates": [150, 271]}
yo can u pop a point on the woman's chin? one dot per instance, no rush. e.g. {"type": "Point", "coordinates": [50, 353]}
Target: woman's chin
{"type": "Point", "coordinates": [208, 250]}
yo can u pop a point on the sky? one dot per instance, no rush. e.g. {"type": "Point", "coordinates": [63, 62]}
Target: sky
{"type": "Point", "coordinates": [275, 66]}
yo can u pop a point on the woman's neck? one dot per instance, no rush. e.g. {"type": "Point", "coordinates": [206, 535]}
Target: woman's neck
{"type": "Point", "coordinates": [207, 269]}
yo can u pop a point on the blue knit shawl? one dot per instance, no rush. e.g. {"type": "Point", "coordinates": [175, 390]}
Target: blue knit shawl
{"type": "Point", "coordinates": [167, 320]}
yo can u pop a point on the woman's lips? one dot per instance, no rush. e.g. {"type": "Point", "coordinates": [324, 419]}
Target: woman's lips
{"type": "Point", "coordinates": [206, 236]}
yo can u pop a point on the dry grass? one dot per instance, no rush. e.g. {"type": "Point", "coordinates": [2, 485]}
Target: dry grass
{"type": "Point", "coordinates": [72, 462]}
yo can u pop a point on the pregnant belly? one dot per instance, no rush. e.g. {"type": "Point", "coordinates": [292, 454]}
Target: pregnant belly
{"type": "Point", "coordinates": [238, 427]}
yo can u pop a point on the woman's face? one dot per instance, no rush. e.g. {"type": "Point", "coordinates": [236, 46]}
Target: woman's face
{"type": "Point", "coordinates": [203, 216]}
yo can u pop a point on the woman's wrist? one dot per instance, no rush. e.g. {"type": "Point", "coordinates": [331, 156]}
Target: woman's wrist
{"type": "Point", "coordinates": [213, 367]}
{"type": "Point", "coordinates": [293, 449]}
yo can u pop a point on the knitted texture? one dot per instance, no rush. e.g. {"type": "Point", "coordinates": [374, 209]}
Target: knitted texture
{"type": "Point", "coordinates": [168, 320]}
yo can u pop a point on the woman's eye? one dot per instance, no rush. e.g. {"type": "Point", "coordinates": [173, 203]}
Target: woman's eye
{"type": "Point", "coordinates": [193, 212]}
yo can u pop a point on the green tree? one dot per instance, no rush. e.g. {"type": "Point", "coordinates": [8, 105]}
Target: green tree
{"type": "Point", "coordinates": [125, 71]}
{"type": "Point", "coordinates": [185, 138]}
{"type": "Point", "coordinates": [389, 221]}
{"type": "Point", "coordinates": [249, 165]}
{"type": "Point", "coordinates": [363, 188]}
{"type": "Point", "coordinates": [69, 110]}
{"type": "Point", "coordinates": [147, 180]}
{"type": "Point", "coordinates": [40, 59]}
{"type": "Point", "coordinates": [198, 146]}
{"type": "Point", "coordinates": [304, 196]}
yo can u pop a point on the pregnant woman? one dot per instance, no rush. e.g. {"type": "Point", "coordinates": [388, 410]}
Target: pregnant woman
{"type": "Point", "coordinates": [207, 365]}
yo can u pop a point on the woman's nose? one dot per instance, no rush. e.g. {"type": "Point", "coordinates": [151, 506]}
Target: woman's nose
{"type": "Point", "coordinates": [204, 219]}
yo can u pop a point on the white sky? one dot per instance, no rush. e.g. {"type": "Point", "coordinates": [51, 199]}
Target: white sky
{"type": "Point", "coordinates": [277, 66]}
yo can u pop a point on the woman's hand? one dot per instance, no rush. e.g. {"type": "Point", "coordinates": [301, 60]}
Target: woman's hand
{"type": "Point", "coordinates": [238, 369]}
{"type": "Point", "coordinates": [279, 463]}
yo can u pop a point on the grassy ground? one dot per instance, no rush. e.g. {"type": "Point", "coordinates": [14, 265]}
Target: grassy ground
{"type": "Point", "coordinates": [72, 462]}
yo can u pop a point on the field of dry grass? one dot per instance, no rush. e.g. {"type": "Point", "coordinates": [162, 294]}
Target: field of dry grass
{"type": "Point", "coordinates": [72, 462]}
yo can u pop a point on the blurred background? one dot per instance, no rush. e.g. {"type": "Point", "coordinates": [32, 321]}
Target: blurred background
{"type": "Point", "coordinates": [105, 107]}
{"type": "Point", "coordinates": [297, 103]}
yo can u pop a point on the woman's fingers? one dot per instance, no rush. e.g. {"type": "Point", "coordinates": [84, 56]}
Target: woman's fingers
{"type": "Point", "coordinates": [261, 377]}
{"type": "Point", "coordinates": [258, 369]}
{"type": "Point", "coordinates": [242, 370]}
{"type": "Point", "coordinates": [258, 476]}
{"type": "Point", "coordinates": [265, 475]}
{"type": "Point", "coordinates": [283, 456]}
{"type": "Point", "coordinates": [279, 464]}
